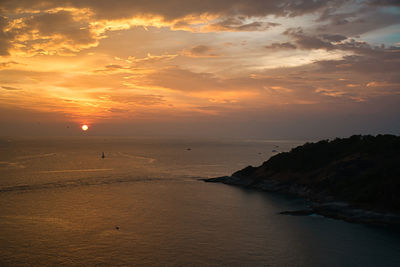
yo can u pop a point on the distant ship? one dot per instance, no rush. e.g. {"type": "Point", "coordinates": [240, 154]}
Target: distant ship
{"type": "Point", "coordinates": [102, 155]}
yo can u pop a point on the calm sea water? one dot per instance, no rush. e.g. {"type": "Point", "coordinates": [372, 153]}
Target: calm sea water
{"type": "Point", "coordinates": [60, 203]}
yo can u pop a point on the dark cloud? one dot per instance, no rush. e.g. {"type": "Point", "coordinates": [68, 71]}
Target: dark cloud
{"type": "Point", "coordinates": [7, 64]}
{"type": "Point", "coordinates": [200, 51]}
{"type": "Point", "coordinates": [333, 37]}
{"type": "Point", "coordinates": [384, 2]}
{"type": "Point", "coordinates": [312, 42]}
{"type": "Point", "coordinates": [61, 23]}
{"type": "Point", "coordinates": [286, 45]}
{"type": "Point", "coordinates": [305, 41]}
{"type": "Point", "coordinates": [178, 9]}
{"type": "Point", "coordinates": [118, 110]}
{"type": "Point", "coordinates": [112, 68]}
{"type": "Point", "coordinates": [181, 24]}
{"type": "Point", "coordinates": [327, 42]}
{"type": "Point", "coordinates": [232, 15]}
{"type": "Point", "coordinates": [239, 24]}
{"type": "Point", "coordinates": [10, 88]}
{"type": "Point", "coordinates": [359, 19]}
{"type": "Point", "coordinates": [5, 37]}
{"type": "Point", "coordinates": [384, 63]}
{"type": "Point", "coordinates": [370, 72]}
{"type": "Point", "coordinates": [41, 33]}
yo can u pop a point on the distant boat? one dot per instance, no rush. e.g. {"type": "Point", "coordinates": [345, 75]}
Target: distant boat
{"type": "Point", "coordinates": [117, 227]}
{"type": "Point", "coordinates": [274, 151]}
{"type": "Point", "coordinates": [188, 149]}
{"type": "Point", "coordinates": [102, 155]}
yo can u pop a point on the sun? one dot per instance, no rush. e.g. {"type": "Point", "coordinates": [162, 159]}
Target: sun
{"type": "Point", "coordinates": [85, 127]}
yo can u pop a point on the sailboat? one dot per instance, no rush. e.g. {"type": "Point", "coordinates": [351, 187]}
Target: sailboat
{"type": "Point", "coordinates": [102, 155]}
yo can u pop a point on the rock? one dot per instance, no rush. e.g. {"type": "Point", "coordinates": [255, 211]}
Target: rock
{"type": "Point", "coordinates": [298, 212]}
{"type": "Point", "coordinates": [356, 179]}
{"type": "Point", "coordinates": [216, 180]}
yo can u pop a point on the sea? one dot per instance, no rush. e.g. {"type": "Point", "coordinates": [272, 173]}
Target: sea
{"type": "Point", "coordinates": [144, 204]}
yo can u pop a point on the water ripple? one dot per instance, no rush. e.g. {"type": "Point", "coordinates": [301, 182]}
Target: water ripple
{"type": "Point", "coordinates": [78, 183]}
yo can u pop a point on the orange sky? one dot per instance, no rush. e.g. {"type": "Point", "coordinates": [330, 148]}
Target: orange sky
{"type": "Point", "coordinates": [331, 67]}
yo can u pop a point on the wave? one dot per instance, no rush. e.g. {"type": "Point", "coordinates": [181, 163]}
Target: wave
{"type": "Point", "coordinates": [149, 160]}
{"type": "Point", "coordinates": [79, 183]}
{"type": "Point", "coordinates": [23, 159]}
{"type": "Point", "coordinates": [11, 165]}
{"type": "Point", "coordinates": [81, 170]}
{"type": "Point", "coordinates": [36, 156]}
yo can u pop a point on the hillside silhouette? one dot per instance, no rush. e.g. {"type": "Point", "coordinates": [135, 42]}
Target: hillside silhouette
{"type": "Point", "coordinates": [362, 170]}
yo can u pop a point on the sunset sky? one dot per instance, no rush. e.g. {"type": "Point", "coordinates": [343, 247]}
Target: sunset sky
{"type": "Point", "coordinates": [235, 68]}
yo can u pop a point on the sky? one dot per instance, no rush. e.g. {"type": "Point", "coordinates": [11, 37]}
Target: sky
{"type": "Point", "coordinates": [291, 69]}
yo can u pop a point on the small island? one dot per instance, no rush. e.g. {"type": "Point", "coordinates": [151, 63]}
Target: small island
{"type": "Point", "coordinates": [356, 179]}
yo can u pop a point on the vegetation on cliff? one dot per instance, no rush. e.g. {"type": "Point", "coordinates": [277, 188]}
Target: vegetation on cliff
{"type": "Point", "coordinates": [361, 170]}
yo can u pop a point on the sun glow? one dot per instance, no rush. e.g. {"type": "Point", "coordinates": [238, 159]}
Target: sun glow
{"type": "Point", "coordinates": [85, 127]}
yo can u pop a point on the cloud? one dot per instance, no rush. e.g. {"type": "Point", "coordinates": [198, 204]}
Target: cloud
{"type": "Point", "coordinates": [286, 45]}
{"type": "Point", "coordinates": [51, 32]}
{"type": "Point", "coordinates": [200, 51]}
{"type": "Point", "coordinates": [357, 18]}
{"type": "Point", "coordinates": [151, 58]}
{"type": "Point", "coordinates": [10, 88]}
{"type": "Point", "coordinates": [175, 78]}
{"type": "Point", "coordinates": [172, 10]}
{"type": "Point", "coordinates": [366, 74]}
{"type": "Point", "coordinates": [137, 65]}
{"type": "Point", "coordinates": [67, 27]}
{"type": "Point", "coordinates": [6, 37]}
{"type": "Point", "coordinates": [342, 94]}
{"type": "Point", "coordinates": [239, 24]}
{"type": "Point", "coordinates": [384, 3]}
{"type": "Point", "coordinates": [353, 78]}
{"type": "Point", "coordinates": [328, 42]}
{"type": "Point", "coordinates": [118, 110]}
{"type": "Point", "coordinates": [377, 62]}
{"type": "Point", "coordinates": [380, 84]}
{"type": "Point", "coordinates": [7, 64]}
{"type": "Point", "coordinates": [333, 37]}
{"type": "Point", "coordinates": [305, 41]}
{"type": "Point", "coordinates": [175, 55]}
{"type": "Point", "coordinates": [114, 68]}
{"type": "Point", "coordinates": [62, 23]}
{"type": "Point", "coordinates": [138, 99]}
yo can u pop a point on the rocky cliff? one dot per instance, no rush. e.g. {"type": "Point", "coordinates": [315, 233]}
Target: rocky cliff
{"type": "Point", "coordinates": [356, 175]}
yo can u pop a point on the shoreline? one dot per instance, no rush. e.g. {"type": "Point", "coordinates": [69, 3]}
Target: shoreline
{"type": "Point", "coordinates": [322, 205]}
